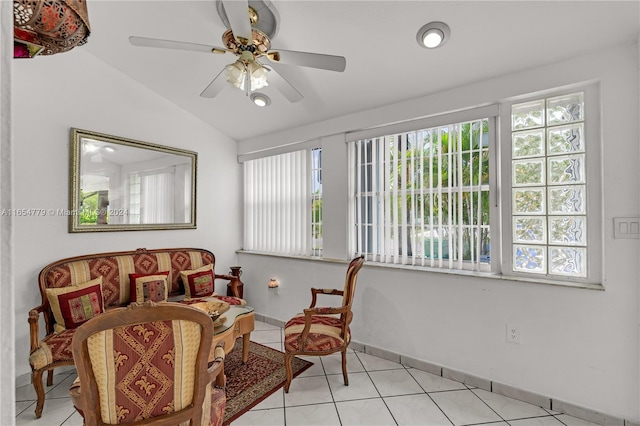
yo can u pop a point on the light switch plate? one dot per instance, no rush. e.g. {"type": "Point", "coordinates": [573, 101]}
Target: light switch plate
{"type": "Point", "coordinates": [626, 227]}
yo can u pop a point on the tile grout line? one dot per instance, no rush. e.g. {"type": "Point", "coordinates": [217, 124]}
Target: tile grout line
{"type": "Point", "coordinates": [376, 387]}
{"type": "Point", "coordinates": [64, 377]}
{"type": "Point", "coordinates": [429, 396]}
{"type": "Point", "coordinates": [333, 400]}
{"type": "Point", "coordinates": [490, 408]}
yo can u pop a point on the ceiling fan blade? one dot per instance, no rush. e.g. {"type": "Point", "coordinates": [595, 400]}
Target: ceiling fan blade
{"type": "Point", "coordinates": [170, 44]}
{"type": "Point", "coordinates": [216, 85]}
{"type": "Point", "coordinates": [306, 59]}
{"type": "Point", "coordinates": [283, 86]}
{"type": "Point", "coordinates": [238, 15]}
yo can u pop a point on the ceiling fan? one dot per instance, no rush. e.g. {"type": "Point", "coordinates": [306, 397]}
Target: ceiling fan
{"type": "Point", "coordinates": [251, 46]}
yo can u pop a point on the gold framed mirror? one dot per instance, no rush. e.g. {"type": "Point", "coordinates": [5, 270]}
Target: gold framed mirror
{"type": "Point", "coordinates": [120, 184]}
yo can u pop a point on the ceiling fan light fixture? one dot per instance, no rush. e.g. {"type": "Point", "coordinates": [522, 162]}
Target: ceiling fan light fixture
{"type": "Point", "coordinates": [236, 73]}
{"type": "Point", "coordinates": [260, 99]}
{"type": "Point", "coordinates": [239, 73]}
{"type": "Point", "coordinates": [433, 34]}
{"type": "Point", "coordinates": [258, 76]}
{"type": "Point", "coordinates": [247, 73]}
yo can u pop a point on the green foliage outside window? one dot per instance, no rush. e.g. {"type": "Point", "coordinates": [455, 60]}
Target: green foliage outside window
{"type": "Point", "coordinates": [88, 208]}
{"type": "Point", "coordinates": [316, 216]}
{"type": "Point", "coordinates": [427, 166]}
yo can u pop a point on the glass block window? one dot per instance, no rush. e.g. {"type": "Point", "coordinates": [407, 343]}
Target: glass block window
{"type": "Point", "coordinates": [549, 186]}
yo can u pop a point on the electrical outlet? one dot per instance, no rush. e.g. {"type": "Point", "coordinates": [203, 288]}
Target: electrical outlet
{"type": "Point", "coordinates": [513, 333]}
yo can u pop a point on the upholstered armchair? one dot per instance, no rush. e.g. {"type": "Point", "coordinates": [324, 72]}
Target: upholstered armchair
{"type": "Point", "coordinates": [148, 364]}
{"type": "Point", "coordinates": [323, 330]}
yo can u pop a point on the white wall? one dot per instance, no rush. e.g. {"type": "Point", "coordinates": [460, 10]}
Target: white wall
{"type": "Point", "coordinates": [74, 89]}
{"type": "Point", "coordinates": [7, 355]}
{"type": "Point", "coordinates": [578, 346]}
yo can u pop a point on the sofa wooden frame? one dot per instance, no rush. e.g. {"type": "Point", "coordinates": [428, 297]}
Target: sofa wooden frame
{"type": "Point", "coordinates": [45, 279]}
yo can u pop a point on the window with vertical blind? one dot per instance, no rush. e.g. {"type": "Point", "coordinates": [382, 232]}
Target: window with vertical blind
{"type": "Point", "coordinates": [453, 192]}
{"type": "Point", "coordinates": [283, 203]}
{"type": "Point", "coordinates": [440, 193]}
{"type": "Point", "coordinates": [316, 202]}
{"type": "Point", "coordinates": [422, 196]}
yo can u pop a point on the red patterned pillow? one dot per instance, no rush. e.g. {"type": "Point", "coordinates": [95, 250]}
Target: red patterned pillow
{"type": "Point", "coordinates": [198, 282]}
{"type": "Point", "coordinates": [153, 287]}
{"type": "Point", "coordinates": [75, 305]}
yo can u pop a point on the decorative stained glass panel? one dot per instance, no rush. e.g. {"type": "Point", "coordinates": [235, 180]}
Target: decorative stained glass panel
{"type": "Point", "coordinates": [530, 229]}
{"type": "Point", "coordinates": [529, 259]}
{"type": "Point", "coordinates": [566, 139]}
{"type": "Point", "coordinates": [529, 201]}
{"type": "Point", "coordinates": [567, 199]}
{"type": "Point", "coordinates": [570, 230]}
{"type": "Point", "coordinates": [566, 169]}
{"type": "Point", "coordinates": [528, 172]}
{"type": "Point", "coordinates": [570, 261]}
{"type": "Point", "coordinates": [565, 109]}
{"type": "Point", "coordinates": [527, 115]}
{"type": "Point", "coordinates": [528, 144]}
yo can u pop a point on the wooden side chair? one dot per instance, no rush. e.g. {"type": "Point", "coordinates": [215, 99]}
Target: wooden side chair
{"type": "Point", "coordinates": [148, 364]}
{"type": "Point", "coordinates": [323, 330]}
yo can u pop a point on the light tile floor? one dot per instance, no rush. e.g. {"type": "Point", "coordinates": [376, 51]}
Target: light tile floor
{"type": "Point", "coordinates": [380, 392]}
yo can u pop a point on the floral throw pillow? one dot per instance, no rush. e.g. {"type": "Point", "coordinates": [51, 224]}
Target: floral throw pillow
{"type": "Point", "coordinates": [198, 282]}
{"type": "Point", "coordinates": [76, 304]}
{"type": "Point", "coordinates": [149, 287]}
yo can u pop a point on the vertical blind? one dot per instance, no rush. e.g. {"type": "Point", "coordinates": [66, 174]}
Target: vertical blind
{"type": "Point", "coordinates": [157, 196]}
{"type": "Point", "coordinates": [277, 204]}
{"type": "Point", "coordinates": [422, 197]}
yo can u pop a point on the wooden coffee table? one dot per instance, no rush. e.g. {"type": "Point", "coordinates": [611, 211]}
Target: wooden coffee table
{"type": "Point", "coordinates": [240, 322]}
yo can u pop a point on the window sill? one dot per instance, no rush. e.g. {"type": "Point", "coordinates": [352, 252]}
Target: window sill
{"type": "Point", "coordinates": [475, 274]}
{"type": "Point", "coordinates": [292, 256]}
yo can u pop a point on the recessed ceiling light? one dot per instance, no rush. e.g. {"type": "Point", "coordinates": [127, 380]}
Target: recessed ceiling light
{"type": "Point", "coordinates": [260, 99]}
{"type": "Point", "coordinates": [433, 34]}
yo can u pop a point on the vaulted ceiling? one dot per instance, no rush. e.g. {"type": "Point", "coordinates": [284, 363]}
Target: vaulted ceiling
{"type": "Point", "coordinates": [385, 64]}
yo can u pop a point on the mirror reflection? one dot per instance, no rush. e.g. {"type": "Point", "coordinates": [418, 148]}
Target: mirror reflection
{"type": "Point", "coordinates": [123, 184]}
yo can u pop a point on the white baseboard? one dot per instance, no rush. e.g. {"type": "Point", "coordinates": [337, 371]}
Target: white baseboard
{"type": "Point", "coordinates": [483, 383]}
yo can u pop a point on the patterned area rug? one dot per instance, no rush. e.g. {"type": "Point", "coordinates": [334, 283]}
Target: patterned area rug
{"type": "Point", "coordinates": [250, 383]}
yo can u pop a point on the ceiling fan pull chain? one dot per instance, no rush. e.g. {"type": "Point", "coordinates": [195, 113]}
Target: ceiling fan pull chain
{"type": "Point", "coordinates": [247, 79]}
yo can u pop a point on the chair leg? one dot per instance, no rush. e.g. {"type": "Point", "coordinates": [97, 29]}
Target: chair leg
{"type": "Point", "coordinates": [36, 379]}
{"type": "Point", "coordinates": [344, 367]}
{"type": "Point", "coordinates": [50, 377]}
{"type": "Point", "coordinates": [287, 365]}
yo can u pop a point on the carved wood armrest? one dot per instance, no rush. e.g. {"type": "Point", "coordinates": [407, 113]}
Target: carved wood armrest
{"type": "Point", "coordinates": [216, 369]}
{"type": "Point", "coordinates": [330, 291]}
{"type": "Point", "coordinates": [225, 277]}
{"type": "Point", "coordinates": [34, 332]}
{"type": "Point", "coordinates": [308, 313]}
{"type": "Point", "coordinates": [233, 281]}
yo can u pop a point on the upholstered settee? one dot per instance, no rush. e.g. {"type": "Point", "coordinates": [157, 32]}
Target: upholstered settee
{"type": "Point", "coordinates": [76, 289]}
